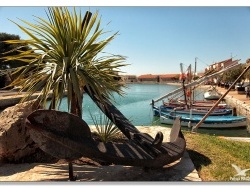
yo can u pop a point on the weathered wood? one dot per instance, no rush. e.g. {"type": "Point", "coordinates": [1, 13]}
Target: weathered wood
{"type": "Point", "coordinates": [113, 113]}
{"type": "Point", "coordinates": [66, 136]}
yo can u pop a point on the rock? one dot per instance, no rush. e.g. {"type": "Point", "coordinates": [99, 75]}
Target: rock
{"type": "Point", "coordinates": [15, 141]}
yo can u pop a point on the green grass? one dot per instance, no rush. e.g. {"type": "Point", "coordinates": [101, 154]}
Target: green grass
{"type": "Point", "coordinates": [213, 156]}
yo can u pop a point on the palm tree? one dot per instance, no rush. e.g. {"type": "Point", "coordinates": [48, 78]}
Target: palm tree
{"type": "Point", "coordinates": [67, 59]}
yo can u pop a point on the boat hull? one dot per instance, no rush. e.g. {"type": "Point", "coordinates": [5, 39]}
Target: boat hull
{"type": "Point", "coordinates": [219, 122]}
{"type": "Point", "coordinates": [195, 111]}
{"type": "Point", "coordinates": [211, 96]}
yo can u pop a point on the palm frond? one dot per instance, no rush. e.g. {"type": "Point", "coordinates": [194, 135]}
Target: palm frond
{"type": "Point", "coordinates": [66, 56]}
{"type": "Point", "coordinates": [105, 128]}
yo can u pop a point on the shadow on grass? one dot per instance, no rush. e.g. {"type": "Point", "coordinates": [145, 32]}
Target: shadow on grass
{"type": "Point", "coordinates": [198, 159]}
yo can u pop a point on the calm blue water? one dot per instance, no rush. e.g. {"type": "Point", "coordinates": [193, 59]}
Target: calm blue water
{"type": "Point", "coordinates": [135, 105]}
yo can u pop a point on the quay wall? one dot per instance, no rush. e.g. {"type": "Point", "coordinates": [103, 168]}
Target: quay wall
{"type": "Point", "coordinates": [241, 108]}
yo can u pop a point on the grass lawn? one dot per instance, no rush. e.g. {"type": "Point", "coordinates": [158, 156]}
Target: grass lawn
{"type": "Point", "coordinates": [214, 156]}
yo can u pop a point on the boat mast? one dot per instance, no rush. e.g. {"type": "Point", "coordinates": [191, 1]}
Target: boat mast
{"type": "Point", "coordinates": [183, 78]}
{"type": "Point", "coordinates": [195, 64]}
{"type": "Point", "coordinates": [194, 75]}
{"type": "Point", "coordinates": [199, 81]}
{"type": "Point", "coordinates": [194, 129]}
{"type": "Point", "coordinates": [190, 77]}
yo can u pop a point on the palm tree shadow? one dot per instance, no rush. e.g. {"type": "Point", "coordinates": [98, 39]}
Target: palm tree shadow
{"type": "Point", "coordinates": [198, 159]}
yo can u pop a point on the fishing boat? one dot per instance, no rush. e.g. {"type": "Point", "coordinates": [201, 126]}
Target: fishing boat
{"type": "Point", "coordinates": [198, 107]}
{"type": "Point", "coordinates": [208, 121]}
{"type": "Point", "coordinates": [212, 94]}
{"type": "Point", "coordinates": [200, 103]}
{"type": "Point", "coordinates": [190, 120]}
{"type": "Point", "coordinates": [184, 106]}
{"type": "Point", "coordinates": [198, 81]}
{"type": "Point", "coordinates": [194, 110]}
{"type": "Point", "coordinates": [209, 104]}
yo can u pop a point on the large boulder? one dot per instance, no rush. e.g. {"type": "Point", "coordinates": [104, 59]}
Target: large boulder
{"type": "Point", "coordinates": [15, 141]}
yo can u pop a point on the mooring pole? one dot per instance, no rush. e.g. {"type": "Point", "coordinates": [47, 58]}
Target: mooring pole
{"type": "Point", "coordinates": [194, 129]}
{"type": "Point", "coordinates": [183, 78]}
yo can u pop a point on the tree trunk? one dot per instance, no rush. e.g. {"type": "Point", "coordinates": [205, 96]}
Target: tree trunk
{"type": "Point", "coordinates": [72, 177]}
{"type": "Point", "coordinates": [74, 109]}
{"type": "Point", "coordinates": [7, 81]}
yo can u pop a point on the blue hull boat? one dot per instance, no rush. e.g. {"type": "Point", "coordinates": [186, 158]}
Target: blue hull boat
{"type": "Point", "coordinates": [228, 121]}
{"type": "Point", "coordinates": [194, 111]}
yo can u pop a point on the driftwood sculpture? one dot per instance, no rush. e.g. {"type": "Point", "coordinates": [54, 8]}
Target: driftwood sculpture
{"type": "Point", "coordinates": [66, 136]}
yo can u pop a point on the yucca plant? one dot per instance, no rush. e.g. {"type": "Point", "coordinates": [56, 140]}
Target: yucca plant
{"type": "Point", "coordinates": [106, 130]}
{"type": "Point", "coordinates": [65, 56]}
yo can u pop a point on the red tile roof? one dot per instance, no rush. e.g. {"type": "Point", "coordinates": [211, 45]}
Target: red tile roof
{"type": "Point", "coordinates": [169, 75]}
{"type": "Point", "coordinates": [148, 76]}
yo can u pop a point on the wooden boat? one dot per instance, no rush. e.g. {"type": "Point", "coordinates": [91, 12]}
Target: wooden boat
{"type": "Point", "coordinates": [212, 95]}
{"type": "Point", "coordinates": [210, 104]}
{"type": "Point", "coordinates": [198, 81]}
{"type": "Point", "coordinates": [193, 110]}
{"type": "Point", "coordinates": [197, 107]}
{"type": "Point", "coordinates": [228, 121]}
{"type": "Point", "coordinates": [203, 121]}
{"type": "Point", "coordinates": [187, 105]}
{"type": "Point", "coordinates": [200, 103]}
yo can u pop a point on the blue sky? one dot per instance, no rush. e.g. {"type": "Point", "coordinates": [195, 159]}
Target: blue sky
{"type": "Point", "coordinates": [156, 39]}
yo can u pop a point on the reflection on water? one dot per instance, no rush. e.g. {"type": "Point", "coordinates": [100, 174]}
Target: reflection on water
{"type": "Point", "coordinates": [135, 105]}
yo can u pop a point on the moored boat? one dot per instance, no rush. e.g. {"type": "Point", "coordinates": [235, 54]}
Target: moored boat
{"type": "Point", "coordinates": [212, 95]}
{"type": "Point", "coordinates": [204, 103]}
{"type": "Point", "coordinates": [194, 109]}
{"type": "Point", "coordinates": [228, 121]}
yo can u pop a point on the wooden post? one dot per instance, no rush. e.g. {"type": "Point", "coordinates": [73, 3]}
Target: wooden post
{"type": "Point", "coordinates": [194, 129]}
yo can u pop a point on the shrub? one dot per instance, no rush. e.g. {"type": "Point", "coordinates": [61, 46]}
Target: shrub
{"type": "Point", "coordinates": [106, 130]}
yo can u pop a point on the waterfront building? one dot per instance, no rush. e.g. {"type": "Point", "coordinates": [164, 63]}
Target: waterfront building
{"type": "Point", "coordinates": [169, 78]}
{"type": "Point", "coordinates": [222, 64]}
{"type": "Point", "coordinates": [161, 78]}
{"type": "Point", "coordinates": [129, 78]}
{"type": "Point", "coordinates": [219, 66]}
{"type": "Point", "coordinates": [149, 78]}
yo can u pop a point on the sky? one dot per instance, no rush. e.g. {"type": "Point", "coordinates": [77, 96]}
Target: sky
{"type": "Point", "coordinates": [156, 39]}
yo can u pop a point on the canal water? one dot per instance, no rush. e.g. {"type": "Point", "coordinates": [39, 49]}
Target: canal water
{"type": "Point", "coordinates": [135, 105]}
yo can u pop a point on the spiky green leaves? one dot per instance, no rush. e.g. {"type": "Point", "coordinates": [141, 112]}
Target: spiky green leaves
{"type": "Point", "coordinates": [65, 56]}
